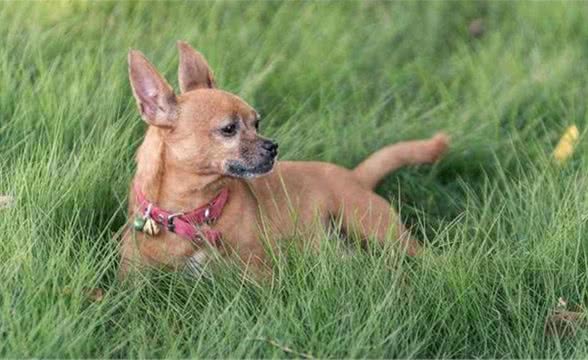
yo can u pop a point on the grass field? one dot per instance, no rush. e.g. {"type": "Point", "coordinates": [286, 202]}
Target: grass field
{"type": "Point", "coordinates": [505, 228]}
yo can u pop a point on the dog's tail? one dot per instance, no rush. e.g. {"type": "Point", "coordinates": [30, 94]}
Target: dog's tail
{"type": "Point", "coordinates": [370, 171]}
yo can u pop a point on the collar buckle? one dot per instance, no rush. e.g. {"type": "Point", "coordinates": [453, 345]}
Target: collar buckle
{"type": "Point", "coordinates": [171, 227]}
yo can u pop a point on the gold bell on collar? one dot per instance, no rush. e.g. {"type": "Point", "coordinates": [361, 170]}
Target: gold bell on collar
{"type": "Point", "coordinates": [146, 224]}
{"type": "Point", "coordinates": [151, 228]}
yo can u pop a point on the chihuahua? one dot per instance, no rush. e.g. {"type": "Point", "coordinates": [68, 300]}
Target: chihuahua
{"type": "Point", "coordinates": [207, 182]}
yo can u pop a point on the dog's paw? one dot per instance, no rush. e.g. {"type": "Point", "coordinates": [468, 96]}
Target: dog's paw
{"type": "Point", "coordinates": [438, 145]}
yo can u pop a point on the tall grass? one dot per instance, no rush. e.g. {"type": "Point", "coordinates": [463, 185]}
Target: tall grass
{"type": "Point", "coordinates": [335, 81]}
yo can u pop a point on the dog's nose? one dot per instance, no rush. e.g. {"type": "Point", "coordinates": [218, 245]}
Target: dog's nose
{"type": "Point", "coordinates": [270, 146]}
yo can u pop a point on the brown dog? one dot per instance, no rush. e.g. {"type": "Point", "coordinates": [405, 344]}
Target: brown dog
{"type": "Point", "coordinates": [204, 142]}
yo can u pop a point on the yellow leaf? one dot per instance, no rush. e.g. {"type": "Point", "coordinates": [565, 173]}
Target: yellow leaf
{"type": "Point", "coordinates": [566, 145]}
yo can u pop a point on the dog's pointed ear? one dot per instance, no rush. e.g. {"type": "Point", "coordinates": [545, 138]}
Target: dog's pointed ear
{"type": "Point", "coordinates": [155, 97]}
{"type": "Point", "coordinates": [193, 72]}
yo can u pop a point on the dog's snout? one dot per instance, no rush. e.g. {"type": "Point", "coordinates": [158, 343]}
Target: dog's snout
{"type": "Point", "coordinates": [270, 146]}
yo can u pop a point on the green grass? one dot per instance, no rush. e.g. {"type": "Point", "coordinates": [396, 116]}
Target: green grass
{"type": "Point", "coordinates": [335, 81]}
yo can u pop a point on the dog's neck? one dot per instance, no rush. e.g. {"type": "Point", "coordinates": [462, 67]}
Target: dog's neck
{"type": "Point", "coordinates": [170, 187]}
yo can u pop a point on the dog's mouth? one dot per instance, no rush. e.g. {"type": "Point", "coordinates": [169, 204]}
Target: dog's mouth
{"type": "Point", "coordinates": [241, 169]}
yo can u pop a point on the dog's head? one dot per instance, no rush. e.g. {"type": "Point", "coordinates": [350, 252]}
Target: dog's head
{"type": "Point", "coordinates": [205, 130]}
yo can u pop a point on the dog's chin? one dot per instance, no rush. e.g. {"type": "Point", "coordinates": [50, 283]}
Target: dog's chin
{"type": "Point", "coordinates": [240, 169]}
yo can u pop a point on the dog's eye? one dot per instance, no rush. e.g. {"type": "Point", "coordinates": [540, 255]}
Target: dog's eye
{"type": "Point", "coordinates": [229, 130]}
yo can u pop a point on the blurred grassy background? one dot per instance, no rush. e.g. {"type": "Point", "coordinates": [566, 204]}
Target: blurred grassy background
{"type": "Point", "coordinates": [334, 81]}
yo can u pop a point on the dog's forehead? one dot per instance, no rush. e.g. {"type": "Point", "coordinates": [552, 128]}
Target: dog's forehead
{"type": "Point", "coordinates": [213, 104]}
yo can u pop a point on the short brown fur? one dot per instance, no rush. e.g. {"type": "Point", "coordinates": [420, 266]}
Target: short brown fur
{"type": "Point", "coordinates": [187, 157]}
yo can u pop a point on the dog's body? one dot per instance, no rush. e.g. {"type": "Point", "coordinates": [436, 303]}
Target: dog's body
{"type": "Point", "coordinates": [205, 140]}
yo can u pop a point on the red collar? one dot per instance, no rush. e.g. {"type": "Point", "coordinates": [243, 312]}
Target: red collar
{"type": "Point", "coordinates": [193, 225]}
